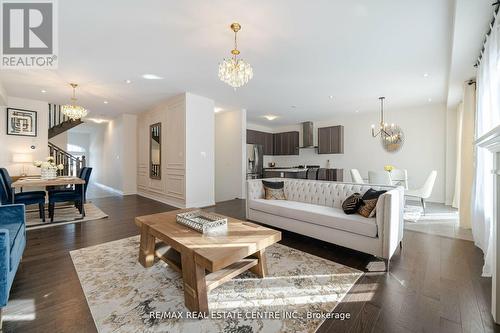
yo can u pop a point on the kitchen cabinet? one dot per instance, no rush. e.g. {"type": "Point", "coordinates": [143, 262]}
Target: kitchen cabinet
{"type": "Point", "coordinates": [261, 138]}
{"type": "Point", "coordinates": [331, 140]}
{"type": "Point", "coordinates": [286, 143]}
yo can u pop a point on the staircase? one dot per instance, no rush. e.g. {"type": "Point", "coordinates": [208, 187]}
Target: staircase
{"type": "Point", "coordinates": [58, 122]}
{"type": "Point", "coordinates": [72, 164]}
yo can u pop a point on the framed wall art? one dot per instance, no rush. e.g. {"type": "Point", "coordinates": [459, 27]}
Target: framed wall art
{"type": "Point", "coordinates": [21, 122]}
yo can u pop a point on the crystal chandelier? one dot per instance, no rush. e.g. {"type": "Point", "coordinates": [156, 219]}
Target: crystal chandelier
{"type": "Point", "coordinates": [235, 72]}
{"type": "Point", "coordinates": [72, 110]}
{"type": "Point", "coordinates": [391, 136]}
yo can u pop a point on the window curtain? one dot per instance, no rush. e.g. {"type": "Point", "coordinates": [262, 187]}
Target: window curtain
{"type": "Point", "coordinates": [487, 117]}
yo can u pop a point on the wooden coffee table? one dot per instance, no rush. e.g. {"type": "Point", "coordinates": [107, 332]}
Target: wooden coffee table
{"type": "Point", "coordinates": [205, 261]}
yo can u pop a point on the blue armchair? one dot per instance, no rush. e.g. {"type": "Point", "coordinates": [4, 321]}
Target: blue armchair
{"type": "Point", "coordinates": [12, 244]}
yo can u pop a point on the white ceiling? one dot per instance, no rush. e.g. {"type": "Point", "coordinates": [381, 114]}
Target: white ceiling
{"type": "Point", "coordinates": [301, 51]}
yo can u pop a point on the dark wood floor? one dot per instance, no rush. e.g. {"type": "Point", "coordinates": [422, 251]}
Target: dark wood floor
{"type": "Point", "coordinates": [434, 284]}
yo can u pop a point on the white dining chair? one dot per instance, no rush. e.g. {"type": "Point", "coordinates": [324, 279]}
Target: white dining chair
{"type": "Point", "coordinates": [380, 178]}
{"type": "Point", "coordinates": [400, 177]}
{"type": "Point", "coordinates": [356, 177]}
{"type": "Point", "coordinates": [425, 191]}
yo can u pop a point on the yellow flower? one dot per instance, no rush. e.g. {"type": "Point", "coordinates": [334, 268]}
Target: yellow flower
{"type": "Point", "coordinates": [388, 168]}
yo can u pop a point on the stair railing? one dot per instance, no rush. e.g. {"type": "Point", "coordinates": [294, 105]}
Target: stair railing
{"type": "Point", "coordinates": [72, 164]}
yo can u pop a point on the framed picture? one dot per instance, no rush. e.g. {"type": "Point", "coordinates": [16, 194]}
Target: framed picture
{"type": "Point", "coordinates": [21, 122]}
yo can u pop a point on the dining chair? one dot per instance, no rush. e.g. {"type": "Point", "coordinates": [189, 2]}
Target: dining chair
{"type": "Point", "coordinates": [379, 177]}
{"type": "Point", "coordinates": [400, 177]}
{"type": "Point", "coordinates": [356, 177]}
{"type": "Point", "coordinates": [26, 198]}
{"type": "Point", "coordinates": [76, 195]}
{"type": "Point", "coordinates": [425, 191]}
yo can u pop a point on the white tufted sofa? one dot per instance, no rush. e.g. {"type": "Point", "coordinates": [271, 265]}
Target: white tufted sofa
{"type": "Point", "coordinates": [314, 208]}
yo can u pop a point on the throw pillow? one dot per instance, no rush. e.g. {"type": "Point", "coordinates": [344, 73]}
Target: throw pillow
{"type": "Point", "coordinates": [274, 190]}
{"type": "Point", "coordinates": [370, 198]}
{"type": "Point", "coordinates": [367, 207]}
{"type": "Point", "coordinates": [352, 203]}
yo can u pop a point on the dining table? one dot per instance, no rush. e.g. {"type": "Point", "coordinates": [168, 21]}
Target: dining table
{"type": "Point", "coordinates": [40, 182]}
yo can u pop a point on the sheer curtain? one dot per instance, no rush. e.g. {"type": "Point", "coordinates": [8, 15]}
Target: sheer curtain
{"type": "Point", "coordinates": [487, 117]}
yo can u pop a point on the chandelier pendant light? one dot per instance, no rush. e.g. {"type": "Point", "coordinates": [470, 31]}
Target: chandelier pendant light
{"type": "Point", "coordinates": [235, 71]}
{"type": "Point", "coordinates": [72, 110]}
{"type": "Point", "coordinates": [391, 136]}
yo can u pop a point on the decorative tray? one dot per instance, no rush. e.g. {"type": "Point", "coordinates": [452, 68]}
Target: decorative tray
{"type": "Point", "coordinates": [201, 221]}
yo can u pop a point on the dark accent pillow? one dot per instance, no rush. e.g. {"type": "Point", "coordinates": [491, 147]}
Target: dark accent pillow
{"type": "Point", "coordinates": [274, 190]}
{"type": "Point", "coordinates": [352, 203]}
{"type": "Point", "coordinates": [273, 185]}
{"type": "Point", "coordinates": [369, 202]}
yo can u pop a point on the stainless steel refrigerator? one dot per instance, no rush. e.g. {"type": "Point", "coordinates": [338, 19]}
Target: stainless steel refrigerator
{"type": "Point", "coordinates": [255, 163]}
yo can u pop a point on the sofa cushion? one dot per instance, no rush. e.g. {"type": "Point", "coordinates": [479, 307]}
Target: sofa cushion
{"type": "Point", "coordinates": [321, 215]}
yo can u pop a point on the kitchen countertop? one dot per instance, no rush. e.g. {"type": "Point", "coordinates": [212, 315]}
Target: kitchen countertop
{"type": "Point", "coordinates": [286, 169]}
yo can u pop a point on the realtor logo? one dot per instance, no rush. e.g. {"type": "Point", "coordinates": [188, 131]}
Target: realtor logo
{"type": "Point", "coordinates": [29, 34]}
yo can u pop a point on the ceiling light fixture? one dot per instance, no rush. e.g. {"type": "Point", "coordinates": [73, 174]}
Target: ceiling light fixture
{"type": "Point", "coordinates": [43, 91]}
{"type": "Point", "coordinates": [429, 99]}
{"type": "Point", "coordinates": [270, 117]}
{"type": "Point", "coordinates": [128, 81]}
{"type": "Point", "coordinates": [72, 110]}
{"type": "Point", "coordinates": [151, 77]}
{"type": "Point", "coordinates": [233, 71]}
{"type": "Point", "coordinates": [392, 137]}
{"type": "Point", "coordinates": [331, 96]}
{"type": "Point", "coordinates": [105, 102]}
{"type": "Point", "coordinates": [426, 74]}
{"type": "Point", "coordinates": [217, 109]}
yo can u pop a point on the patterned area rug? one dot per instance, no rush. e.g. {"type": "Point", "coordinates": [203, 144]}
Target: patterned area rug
{"type": "Point", "coordinates": [63, 215]}
{"type": "Point", "coordinates": [122, 295]}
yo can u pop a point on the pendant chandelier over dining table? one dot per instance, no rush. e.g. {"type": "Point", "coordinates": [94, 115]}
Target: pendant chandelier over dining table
{"type": "Point", "coordinates": [391, 136]}
{"type": "Point", "coordinates": [234, 71]}
{"type": "Point", "coordinates": [72, 110]}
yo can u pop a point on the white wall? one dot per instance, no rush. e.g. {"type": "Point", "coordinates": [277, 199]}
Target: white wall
{"type": "Point", "coordinates": [423, 150]}
{"type": "Point", "coordinates": [60, 140]}
{"type": "Point", "coordinates": [200, 151]}
{"type": "Point", "coordinates": [11, 144]}
{"type": "Point", "coordinates": [79, 144]}
{"type": "Point", "coordinates": [114, 154]}
{"type": "Point", "coordinates": [230, 151]}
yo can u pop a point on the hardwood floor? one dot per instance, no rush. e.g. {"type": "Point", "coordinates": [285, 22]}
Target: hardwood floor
{"type": "Point", "coordinates": [434, 284]}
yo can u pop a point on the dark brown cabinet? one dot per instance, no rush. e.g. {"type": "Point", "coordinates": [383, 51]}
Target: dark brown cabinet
{"type": "Point", "coordinates": [261, 138]}
{"type": "Point", "coordinates": [286, 143]}
{"type": "Point", "coordinates": [331, 140]}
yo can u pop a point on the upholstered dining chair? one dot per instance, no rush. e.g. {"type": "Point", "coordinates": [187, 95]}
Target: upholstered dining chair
{"type": "Point", "coordinates": [400, 177]}
{"type": "Point", "coordinates": [379, 177]}
{"type": "Point", "coordinates": [356, 177]}
{"type": "Point", "coordinates": [425, 191]}
{"type": "Point", "coordinates": [26, 198]}
{"type": "Point", "coordinates": [71, 195]}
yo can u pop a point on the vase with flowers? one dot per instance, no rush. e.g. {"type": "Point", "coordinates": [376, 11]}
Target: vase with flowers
{"type": "Point", "coordinates": [389, 168]}
{"type": "Point", "coordinates": [48, 167]}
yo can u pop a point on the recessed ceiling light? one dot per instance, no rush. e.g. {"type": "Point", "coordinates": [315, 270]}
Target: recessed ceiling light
{"type": "Point", "coordinates": [357, 111]}
{"type": "Point", "coordinates": [128, 81]}
{"type": "Point", "coordinates": [43, 91]}
{"type": "Point", "coordinates": [331, 96]}
{"type": "Point", "coordinates": [429, 99]}
{"type": "Point", "coordinates": [426, 74]}
{"type": "Point", "coordinates": [151, 77]}
{"type": "Point", "coordinates": [105, 102]}
{"type": "Point", "coordinates": [217, 109]}
{"type": "Point", "coordinates": [270, 117]}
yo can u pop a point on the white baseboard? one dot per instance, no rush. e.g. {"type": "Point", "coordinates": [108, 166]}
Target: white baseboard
{"type": "Point", "coordinates": [162, 200]}
{"type": "Point", "coordinates": [108, 188]}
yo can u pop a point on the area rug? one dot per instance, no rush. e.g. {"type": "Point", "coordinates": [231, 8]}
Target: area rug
{"type": "Point", "coordinates": [63, 215]}
{"type": "Point", "coordinates": [125, 297]}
